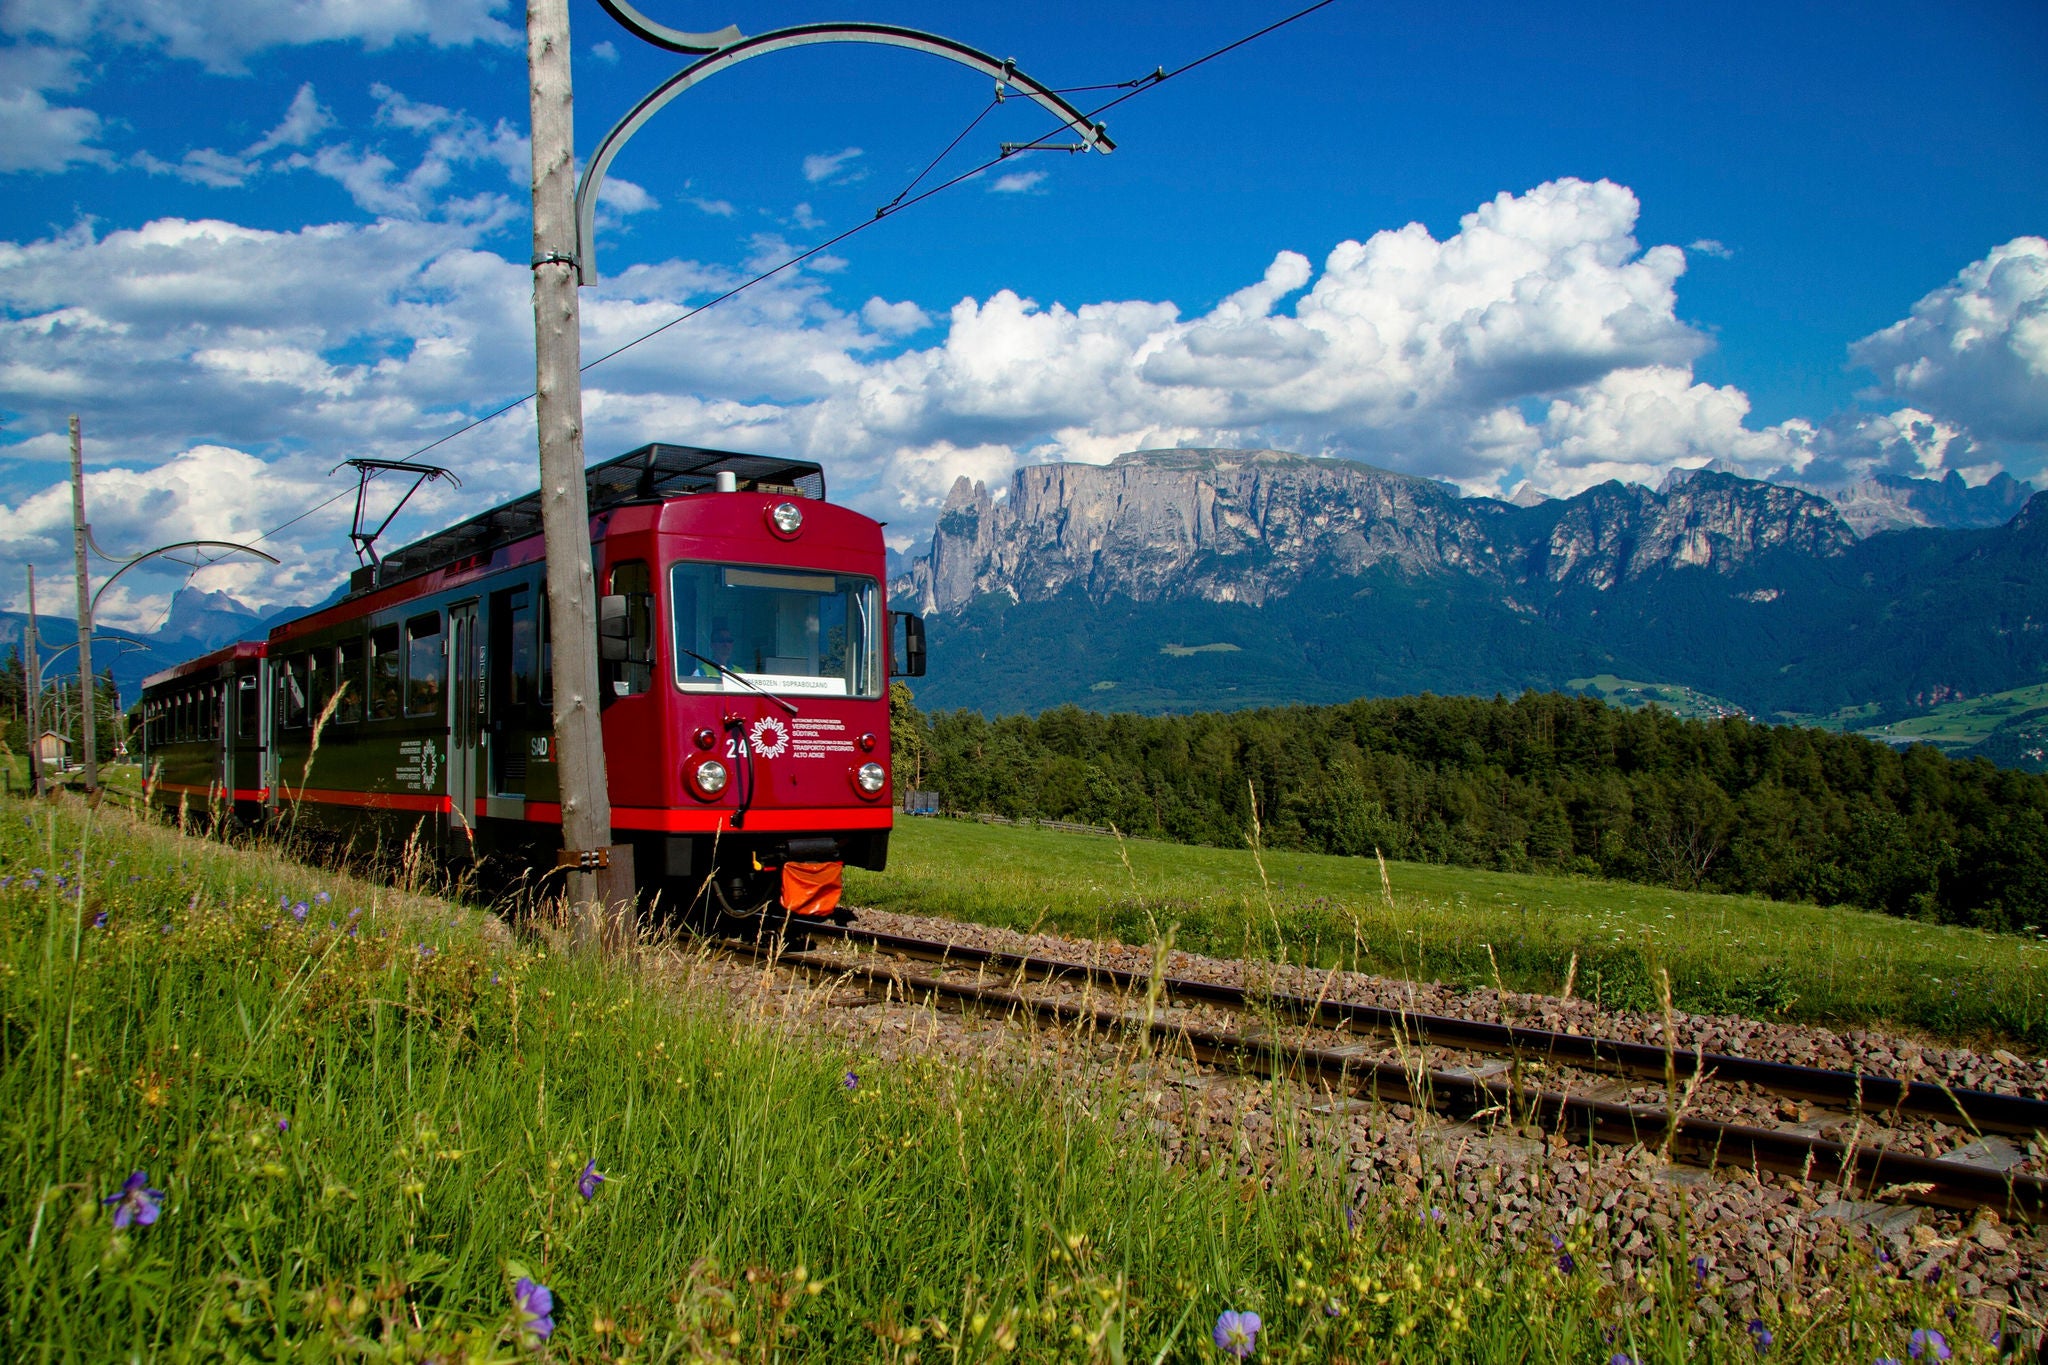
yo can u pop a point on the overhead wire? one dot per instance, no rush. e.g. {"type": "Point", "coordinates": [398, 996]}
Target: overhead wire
{"type": "Point", "coordinates": [1131, 88]}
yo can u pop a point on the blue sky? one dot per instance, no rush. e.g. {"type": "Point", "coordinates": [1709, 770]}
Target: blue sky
{"type": "Point", "coordinates": [248, 240]}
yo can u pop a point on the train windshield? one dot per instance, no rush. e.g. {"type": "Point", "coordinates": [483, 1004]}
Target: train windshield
{"type": "Point", "coordinates": [801, 632]}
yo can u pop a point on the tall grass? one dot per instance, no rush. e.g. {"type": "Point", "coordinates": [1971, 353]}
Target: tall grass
{"type": "Point", "coordinates": [368, 1114]}
{"type": "Point", "coordinates": [1735, 954]}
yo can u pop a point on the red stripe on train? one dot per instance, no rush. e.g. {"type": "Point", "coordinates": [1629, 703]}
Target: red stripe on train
{"type": "Point", "coordinates": [225, 793]}
{"type": "Point", "coordinates": [369, 800]}
{"type": "Point", "coordinates": [719, 821]}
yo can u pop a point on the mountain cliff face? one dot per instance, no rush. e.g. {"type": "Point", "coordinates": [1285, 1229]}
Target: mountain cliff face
{"type": "Point", "coordinates": [1198, 579]}
{"type": "Point", "coordinates": [1252, 526]}
{"type": "Point", "coordinates": [1890, 502]}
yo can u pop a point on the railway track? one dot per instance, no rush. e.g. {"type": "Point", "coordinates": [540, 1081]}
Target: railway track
{"type": "Point", "coordinates": [1523, 1076]}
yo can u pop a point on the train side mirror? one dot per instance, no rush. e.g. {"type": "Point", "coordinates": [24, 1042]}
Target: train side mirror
{"type": "Point", "coordinates": [614, 629]}
{"type": "Point", "coordinates": [908, 656]}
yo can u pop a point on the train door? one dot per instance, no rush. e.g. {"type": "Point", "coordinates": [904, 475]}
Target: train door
{"type": "Point", "coordinates": [519, 726]}
{"type": "Point", "coordinates": [465, 720]}
{"type": "Point", "coordinates": [248, 740]}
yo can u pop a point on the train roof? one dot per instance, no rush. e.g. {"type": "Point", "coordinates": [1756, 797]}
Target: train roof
{"type": "Point", "coordinates": [241, 649]}
{"type": "Point", "coordinates": [649, 474]}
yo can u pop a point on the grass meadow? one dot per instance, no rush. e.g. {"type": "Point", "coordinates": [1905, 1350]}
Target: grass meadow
{"type": "Point", "coordinates": [250, 1111]}
{"type": "Point", "coordinates": [1737, 954]}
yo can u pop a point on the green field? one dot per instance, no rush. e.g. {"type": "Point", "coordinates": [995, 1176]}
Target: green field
{"type": "Point", "coordinates": [1676, 698]}
{"type": "Point", "coordinates": [1960, 725]}
{"type": "Point", "coordinates": [1725, 953]}
{"type": "Point", "coordinates": [351, 1137]}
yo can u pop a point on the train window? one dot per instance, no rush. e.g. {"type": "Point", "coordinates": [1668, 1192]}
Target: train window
{"type": "Point", "coordinates": [547, 657]}
{"type": "Point", "coordinates": [635, 674]}
{"type": "Point", "coordinates": [184, 716]}
{"type": "Point", "coordinates": [424, 665]}
{"type": "Point", "coordinates": [319, 684]}
{"type": "Point", "coordinates": [291, 686]}
{"type": "Point", "coordinates": [387, 677]}
{"type": "Point", "coordinates": [245, 707]}
{"type": "Point", "coordinates": [514, 654]}
{"type": "Point", "coordinates": [212, 702]}
{"type": "Point", "coordinates": [348, 681]}
{"type": "Point", "coordinates": [787, 631]}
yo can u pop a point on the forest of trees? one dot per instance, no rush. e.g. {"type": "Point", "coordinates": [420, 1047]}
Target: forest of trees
{"type": "Point", "coordinates": [1543, 782]}
{"type": "Point", "coordinates": [60, 706]}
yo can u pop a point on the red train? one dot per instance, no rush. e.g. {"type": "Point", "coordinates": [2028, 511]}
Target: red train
{"type": "Point", "coordinates": [747, 649]}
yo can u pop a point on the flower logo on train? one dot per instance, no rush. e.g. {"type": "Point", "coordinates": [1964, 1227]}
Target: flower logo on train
{"type": "Point", "coordinates": [769, 737]}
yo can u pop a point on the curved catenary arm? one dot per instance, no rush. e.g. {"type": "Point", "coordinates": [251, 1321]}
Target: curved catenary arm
{"type": "Point", "coordinates": [661, 35]}
{"type": "Point", "coordinates": [167, 549]}
{"type": "Point", "coordinates": [776, 40]}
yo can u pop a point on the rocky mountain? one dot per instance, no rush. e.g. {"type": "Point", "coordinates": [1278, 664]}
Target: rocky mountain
{"type": "Point", "coordinates": [197, 622]}
{"type": "Point", "coordinates": [1252, 526]}
{"type": "Point", "coordinates": [1178, 580]}
{"type": "Point", "coordinates": [1892, 502]}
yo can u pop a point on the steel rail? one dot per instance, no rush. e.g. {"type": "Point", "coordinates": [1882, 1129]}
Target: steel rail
{"type": "Point", "coordinates": [1699, 1141]}
{"type": "Point", "coordinates": [1982, 1111]}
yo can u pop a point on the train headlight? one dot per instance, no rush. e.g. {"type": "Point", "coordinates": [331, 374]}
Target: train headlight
{"type": "Point", "coordinates": [711, 777]}
{"type": "Point", "coordinates": [870, 777]}
{"type": "Point", "coordinates": [787, 518]}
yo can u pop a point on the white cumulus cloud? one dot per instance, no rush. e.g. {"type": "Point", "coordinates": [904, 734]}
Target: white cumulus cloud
{"type": "Point", "coordinates": [836, 167]}
{"type": "Point", "coordinates": [36, 135]}
{"type": "Point", "coordinates": [223, 34]}
{"type": "Point", "coordinates": [1017, 182]}
{"type": "Point", "coordinates": [1975, 350]}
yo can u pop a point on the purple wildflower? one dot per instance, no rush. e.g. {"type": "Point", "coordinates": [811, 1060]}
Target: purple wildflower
{"type": "Point", "coordinates": [1762, 1334]}
{"type": "Point", "coordinates": [1350, 1220]}
{"type": "Point", "coordinates": [851, 1081]}
{"type": "Point", "coordinates": [1237, 1334]}
{"type": "Point", "coordinates": [1699, 1270]}
{"type": "Point", "coordinates": [535, 1304]}
{"type": "Point", "coordinates": [425, 951]}
{"type": "Point", "coordinates": [1621, 1358]}
{"type": "Point", "coordinates": [587, 1183]}
{"type": "Point", "coordinates": [299, 911]}
{"type": "Point", "coordinates": [137, 1202]}
{"type": "Point", "coordinates": [1437, 1216]}
{"type": "Point", "coordinates": [99, 921]}
{"type": "Point", "coordinates": [1333, 1309]}
{"type": "Point", "coordinates": [356, 913]}
{"type": "Point", "coordinates": [322, 898]}
{"type": "Point", "coordinates": [1934, 1275]}
{"type": "Point", "coordinates": [1566, 1264]}
{"type": "Point", "coordinates": [1927, 1344]}
{"type": "Point", "coordinates": [284, 1125]}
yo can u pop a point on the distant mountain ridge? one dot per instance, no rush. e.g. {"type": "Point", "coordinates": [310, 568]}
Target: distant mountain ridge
{"type": "Point", "coordinates": [1252, 524]}
{"type": "Point", "coordinates": [1247, 526]}
{"type": "Point", "coordinates": [1894, 502]}
{"type": "Point", "coordinates": [197, 622]}
{"type": "Point", "coordinates": [1196, 579]}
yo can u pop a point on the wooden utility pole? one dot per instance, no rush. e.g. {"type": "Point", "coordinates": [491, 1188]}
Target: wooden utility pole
{"type": "Point", "coordinates": [87, 695]}
{"type": "Point", "coordinates": [603, 899]}
{"type": "Point", "coordinates": [35, 692]}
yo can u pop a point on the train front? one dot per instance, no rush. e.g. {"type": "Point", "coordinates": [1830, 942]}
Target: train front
{"type": "Point", "coordinates": [746, 710]}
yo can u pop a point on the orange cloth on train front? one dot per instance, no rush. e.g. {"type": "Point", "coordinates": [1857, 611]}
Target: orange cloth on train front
{"type": "Point", "coordinates": [811, 888]}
